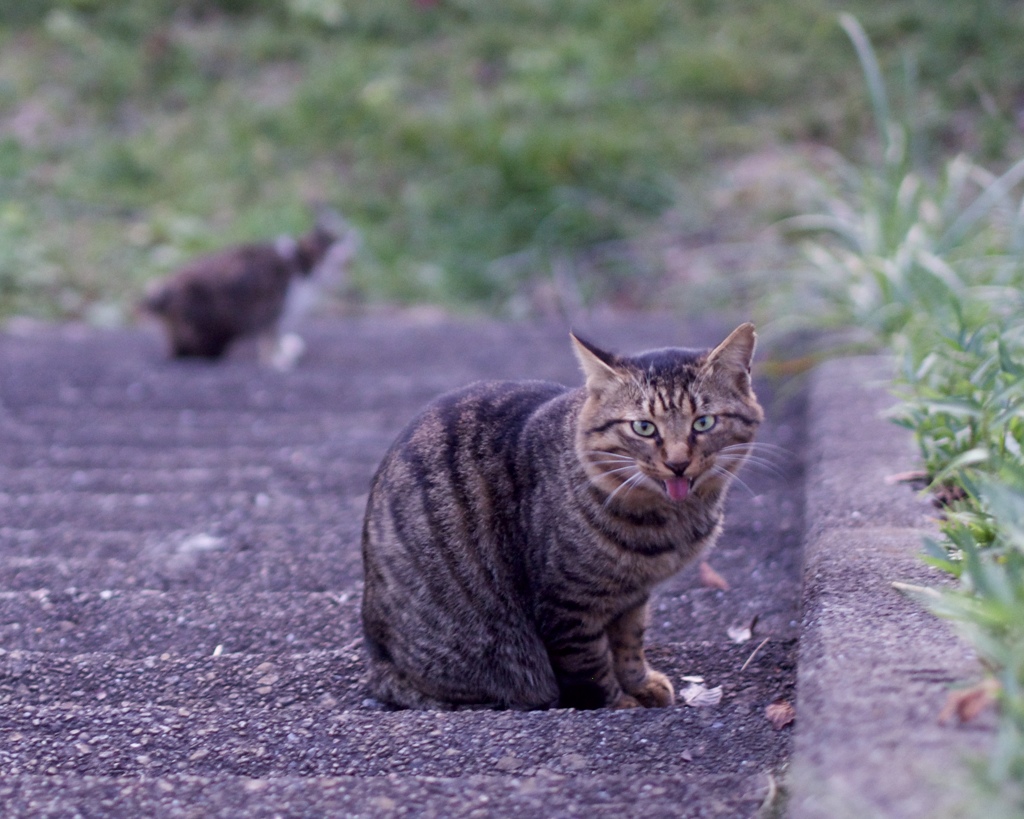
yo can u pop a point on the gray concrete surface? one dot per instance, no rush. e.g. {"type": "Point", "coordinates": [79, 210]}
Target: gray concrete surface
{"type": "Point", "coordinates": [875, 669]}
{"type": "Point", "coordinates": [180, 581]}
{"type": "Point", "coordinates": [179, 587]}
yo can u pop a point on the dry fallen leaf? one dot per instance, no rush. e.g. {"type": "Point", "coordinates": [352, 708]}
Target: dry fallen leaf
{"type": "Point", "coordinates": [699, 696]}
{"type": "Point", "coordinates": [780, 714]}
{"type": "Point", "coordinates": [913, 476]}
{"type": "Point", "coordinates": [967, 703]}
{"type": "Point", "coordinates": [739, 634]}
{"type": "Point", "coordinates": [712, 579]}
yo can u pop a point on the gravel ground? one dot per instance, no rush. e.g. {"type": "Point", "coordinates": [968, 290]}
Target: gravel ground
{"type": "Point", "coordinates": [180, 580]}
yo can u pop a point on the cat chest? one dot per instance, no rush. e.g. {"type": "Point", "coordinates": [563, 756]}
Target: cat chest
{"type": "Point", "coordinates": [619, 566]}
{"type": "Point", "coordinates": [593, 588]}
{"type": "Point", "coordinates": [657, 550]}
{"type": "Point", "coordinates": [641, 571]}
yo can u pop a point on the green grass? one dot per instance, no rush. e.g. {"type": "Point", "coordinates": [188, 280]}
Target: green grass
{"type": "Point", "coordinates": [482, 149]}
{"type": "Point", "coordinates": [929, 265]}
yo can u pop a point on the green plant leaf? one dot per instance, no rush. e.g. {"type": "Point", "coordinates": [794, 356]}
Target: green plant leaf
{"type": "Point", "coordinates": [872, 75]}
{"type": "Point", "coordinates": [980, 207]}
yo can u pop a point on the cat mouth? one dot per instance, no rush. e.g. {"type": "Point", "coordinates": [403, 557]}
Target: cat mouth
{"type": "Point", "coordinates": [678, 488]}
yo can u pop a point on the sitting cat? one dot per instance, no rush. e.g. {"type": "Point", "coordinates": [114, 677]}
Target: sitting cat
{"type": "Point", "coordinates": [248, 290]}
{"type": "Point", "coordinates": [514, 530]}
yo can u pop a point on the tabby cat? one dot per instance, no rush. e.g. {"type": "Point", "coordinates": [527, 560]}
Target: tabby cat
{"type": "Point", "coordinates": [514, 530]}
{"type": "Point", "coordinates": [246, 290]}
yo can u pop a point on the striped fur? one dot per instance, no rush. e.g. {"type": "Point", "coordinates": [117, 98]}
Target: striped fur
{"type": "Point", "coordinates": [514, 530]}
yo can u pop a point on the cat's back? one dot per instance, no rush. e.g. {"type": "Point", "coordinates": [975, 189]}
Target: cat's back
{"type": "Point", "coordinates": [477, 431]}
{"type": "Point", "coordinates": [243, 270]}
{"type": "Point", "coordinates": [456, 480]}
{"type": "Point", "coordinates": [445, 568]}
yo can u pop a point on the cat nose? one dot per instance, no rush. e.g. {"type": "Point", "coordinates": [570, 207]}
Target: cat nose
{"type": "Point", "coordinates": [678, 467]}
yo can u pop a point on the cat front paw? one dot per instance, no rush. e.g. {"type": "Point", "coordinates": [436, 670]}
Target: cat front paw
{"type": "Point", "coordinates": [655, 692]}
{"type": "Point", "coordinates": [626, 701]}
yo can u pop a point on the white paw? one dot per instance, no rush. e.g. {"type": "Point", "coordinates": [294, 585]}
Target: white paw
{"type": "Point", "coordinates": [287, 352]}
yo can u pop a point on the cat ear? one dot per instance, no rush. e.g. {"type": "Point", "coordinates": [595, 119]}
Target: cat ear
{"type": "Point", "coordinates": [736, 353]}
{"type": "Point", "coordinates": [598, 366]}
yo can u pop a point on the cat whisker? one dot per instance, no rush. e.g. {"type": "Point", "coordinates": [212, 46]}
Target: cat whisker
{"type": "Point", "coordinates": [627, 484]}
{"type": "Point", "coordinates": [617, 470]}
{"type": "Point", "coordinates": [725, 473]}
{"type": "Point", "coordinates": [762, 445]}
{"type": "Point", "coordinates": [759, 445]}
{"type": "Point", "coordinates": [754, 462]}
{"type": "Point", "coordinates": [607, 454]}
{"type": "Point", "coordinates": [767, 467]}
{"type": "Point", "coordinates": [766, 451]}
{"type": "Point", "coordinates": [622, 462]}
{"type": "Point", "coordinates": [771, 458]}
{"type": "Point", "coordinates": [633, 482]}
{"type": "Point", "coordinates": [618, 489]}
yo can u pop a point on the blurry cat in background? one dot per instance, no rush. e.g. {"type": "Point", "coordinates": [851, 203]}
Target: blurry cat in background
{"type": "Point", "coordinates": [251, 290]}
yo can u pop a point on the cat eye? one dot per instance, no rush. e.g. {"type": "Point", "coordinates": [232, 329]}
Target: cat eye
{"type": "Point", "coordinates": [645, 429]}
{"type": "Point", "coordinates": [704, 423]}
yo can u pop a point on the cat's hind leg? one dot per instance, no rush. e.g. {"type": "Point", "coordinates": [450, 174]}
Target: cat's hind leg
{"type": "Point", "coordinates": [391, 686]}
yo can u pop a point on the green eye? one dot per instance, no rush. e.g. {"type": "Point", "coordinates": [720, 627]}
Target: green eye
{"type": "Point", "coordinates": [704, 423]}
{"type": "Point", "coordinates": [645, 429]}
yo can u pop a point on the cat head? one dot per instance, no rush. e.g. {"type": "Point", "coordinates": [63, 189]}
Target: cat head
{"type": "Point", "coordinates": [327, 249]}
{"type": "Point", "coordinates": [665, 425]}
{"type": "Point", "coordinates": [311, 248]}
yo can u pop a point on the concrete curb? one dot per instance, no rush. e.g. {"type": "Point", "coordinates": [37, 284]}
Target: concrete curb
{"type": "Point", "coordinates": [874, 668]}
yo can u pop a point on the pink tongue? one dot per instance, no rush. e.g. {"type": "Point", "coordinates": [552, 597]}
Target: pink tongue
{"type": "Point", "coordinates": [678, 488]}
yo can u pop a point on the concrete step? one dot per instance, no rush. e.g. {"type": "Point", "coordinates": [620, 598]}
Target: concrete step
{"type": "Point", "coordinates": [151, 740]}
{"type": "Point", "coordinates": [66, 539]}
{"type": "Point", "coordinates": [298, 472]}
{"type": "Point", "coordinates": [328, 680]}
{"type": "Point", "coordinates": [180, 630]}
{"type": "Point", "coordinates": [225, 537]}
{"type": "Point", "coordinates": [175, 488]}
{"type": "Point", "coordinates": [144, 623]}
{"type": "Point", "coordinates": [126, 368]}
{"type": "Point", "coordinates": [272, 611]}
{"type": "Point", "coordinates": [234, 390]}
{"type": "Point", "coordinates": [179, 510]}
{"type": "Point", "coordinates": [197, 563]}
{"type": "Point", "coordinates": [255, 421]}
{"type": "Point", "coordinates": [148, 427]}
{"type": "Point", "coordinates": [245, 388]}
{"type": "Point", "coordinates": [545, 793]}
{"type": "Point", "coordinates": [29, 480]}
{"type": "Point", "coordinates": [324, 455]}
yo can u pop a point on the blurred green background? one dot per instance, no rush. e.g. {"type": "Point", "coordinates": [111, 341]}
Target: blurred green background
{"type": "Point", "coordinates": [517, 157]}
